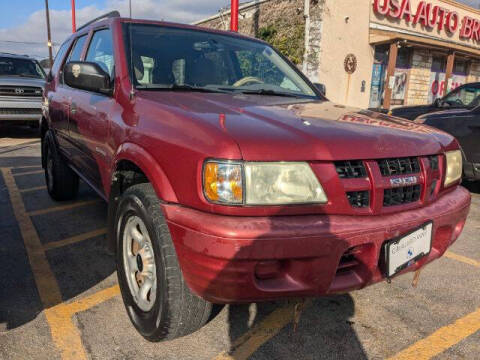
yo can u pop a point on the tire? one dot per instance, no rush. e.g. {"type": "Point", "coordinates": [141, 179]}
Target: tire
{"type": "Point", "coordinates": [62, 182]}
{"type": "Point", "coordinates": [168, 310]}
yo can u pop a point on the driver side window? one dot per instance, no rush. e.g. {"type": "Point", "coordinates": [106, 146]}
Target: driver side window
{"type": "Point", "coordinates": [464, 96]}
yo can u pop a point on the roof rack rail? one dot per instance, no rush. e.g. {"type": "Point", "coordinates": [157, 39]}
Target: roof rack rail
{"type": "Point", "coordinates": [111, 14]}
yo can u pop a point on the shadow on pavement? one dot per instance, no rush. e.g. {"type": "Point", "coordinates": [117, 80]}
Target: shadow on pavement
{"type": "Point", "coordinates": [78, 267]}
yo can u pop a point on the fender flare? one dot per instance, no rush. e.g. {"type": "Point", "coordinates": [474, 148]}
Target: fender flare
{"type": "Point", "coordinates": [150, 167]}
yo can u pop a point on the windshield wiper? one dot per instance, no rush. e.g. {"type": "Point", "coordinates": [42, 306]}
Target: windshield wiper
{"type": "Point", "coordinates": [267, 93]}
{"type": "Point", "coordinates": [176, 87]}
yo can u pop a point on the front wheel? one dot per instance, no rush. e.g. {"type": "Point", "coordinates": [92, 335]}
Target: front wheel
{"type": "Point", "coordinates": [158, 302]}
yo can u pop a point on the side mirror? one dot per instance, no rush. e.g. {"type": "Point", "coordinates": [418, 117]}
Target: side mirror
{"type": "Point", "coordinates": [87, 76]}
{"type": "Point", "coordinates": [437, 102]}
{"type": "Point", "coordinates": [322, 88]}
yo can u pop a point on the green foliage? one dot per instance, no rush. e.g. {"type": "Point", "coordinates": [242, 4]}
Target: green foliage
{"type": "Point", "coordinates": [287, 38]}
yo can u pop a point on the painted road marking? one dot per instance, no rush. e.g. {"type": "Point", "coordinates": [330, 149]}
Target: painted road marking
{"type": "Point", "coordinates": [44, 278]}
{"type": "Point", "coordinates": [247, 344]}
{"type": "Point", "coordinates": [461, 258]}
{"type": "Point", "coordinates": [33, 189]}
{"type": "Point", "coordinates": [29, 173]}
{"type": "Point", "coordinates": [442, 339]}
{"type": "Point", "coordinates": [74, 239]}
{"type": "Point", "coordinates": [63, 207]}
{"type": "Point", "coordinates": [65, 335]}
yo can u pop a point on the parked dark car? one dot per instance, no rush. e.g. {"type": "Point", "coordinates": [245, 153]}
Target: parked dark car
{"type": "Point", "coordinates": [464, 124]}
{"type": "Point", "coordinates": [463, 97]}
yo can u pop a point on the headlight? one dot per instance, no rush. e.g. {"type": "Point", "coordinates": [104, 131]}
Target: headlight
{"type": "Point", "coordinates": [454, 167]}
{"type": "Point", "coordinates": [265, 183]}
{"type": "Point", "coordinates": [223, 182]}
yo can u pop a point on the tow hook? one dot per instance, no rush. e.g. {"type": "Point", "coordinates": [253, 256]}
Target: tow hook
{"type": "Point", "coordinates": [416, 277]}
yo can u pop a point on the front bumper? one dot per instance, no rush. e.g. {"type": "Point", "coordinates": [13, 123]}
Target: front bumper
{"type": "Point", "coordinates": [26, 110]}
{"type": "Point", "coordinates": [220, 255]}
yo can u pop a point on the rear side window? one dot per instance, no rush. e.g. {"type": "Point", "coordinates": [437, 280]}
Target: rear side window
{"type": "Point", "coordinates": [76, 52]}
{"type": "Point", "coordinates": [100, 50]}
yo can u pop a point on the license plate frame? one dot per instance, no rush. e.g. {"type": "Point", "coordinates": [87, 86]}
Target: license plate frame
{"type": "Point", "coordinates": [391, 266]}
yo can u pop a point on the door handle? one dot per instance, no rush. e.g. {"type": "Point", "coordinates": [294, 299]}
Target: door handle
{"type": "Point", "coordinates": [73, 108]}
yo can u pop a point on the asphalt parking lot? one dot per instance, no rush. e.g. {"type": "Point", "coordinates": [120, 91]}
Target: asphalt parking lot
{"type": "Point", "coordinates": [59, 298]}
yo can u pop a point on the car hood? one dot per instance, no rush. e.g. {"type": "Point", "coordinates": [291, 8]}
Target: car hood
{"type": "Point", "coordinates": [21, 81]}
{"type": "Point", "coordinates": [272, 128]}
{"type": "Point", "coordinates": [411, 108]}
{"type": "Point", "coordinates": [443, 114]}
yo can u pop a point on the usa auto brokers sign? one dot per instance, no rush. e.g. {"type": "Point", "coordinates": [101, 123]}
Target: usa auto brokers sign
{"type": "Point", "coordinates": [429, 16]}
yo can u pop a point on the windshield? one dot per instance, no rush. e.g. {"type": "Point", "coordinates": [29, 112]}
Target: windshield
{"type": "Point", "coordinates": [465, 96]}
{"type": "Point", "coordinates": [188, 60]}
{"type": "Point", "coordinates": [20, 67]}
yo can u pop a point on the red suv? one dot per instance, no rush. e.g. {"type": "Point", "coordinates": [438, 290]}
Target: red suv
{"type": "Point", "coordinates": [231, 179]}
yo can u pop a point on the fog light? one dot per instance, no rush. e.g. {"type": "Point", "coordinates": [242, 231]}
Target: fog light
{"type": "Point", "coordinates": [268, 269]}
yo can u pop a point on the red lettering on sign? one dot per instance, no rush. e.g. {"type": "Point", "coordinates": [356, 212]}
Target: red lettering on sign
{"type": "Point", "coordinates": [466, 31]}
{"type": "Point", "coordinates": [432, 18]}
{"type": "Point", "coordinates": [475, 29]}
{"type": "Point", "coordinates": [435, 87]}
{"type": "Point", "coordinates": [395, 9]}
{"type": "Point", "coordinates": [452, 17]}
{"type": "Point", "coordinates": [406, 11]}
{"type": "Point", "coordinates": [382, 10]}
{"type": "Point", "coordinates": [421, 15]}
{"type": "Point", "coordinates": [441, 18]}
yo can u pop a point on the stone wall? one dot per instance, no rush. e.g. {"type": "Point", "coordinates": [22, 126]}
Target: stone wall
{"type": "Point", "coordinates": [282, 23]}
{"type": "Point", "coordinates": [419, 78]}
{"type": "Point", "coordinates": [474, 73]}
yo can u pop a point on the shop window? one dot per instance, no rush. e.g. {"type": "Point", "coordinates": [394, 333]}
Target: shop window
{"type": "Point", "coordinates": [439, 64]}
{"type": "Point", "coordinates": [460, 67]}
{"type": "Point", "coordinates": [403, 58]}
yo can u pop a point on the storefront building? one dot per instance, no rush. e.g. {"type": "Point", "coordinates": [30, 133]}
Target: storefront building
{"type": "Point", "coordinates": [371, 53]}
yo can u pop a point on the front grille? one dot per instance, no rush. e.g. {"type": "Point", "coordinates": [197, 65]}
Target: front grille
{"type": "Point", "coordinates": [27, 91]}
{"type": "Point", "coordinates": [20, 111]}
{"type": "Point", "coordinates": [401, 196]}
{"type": "Point", "coordinates": [359, 199]}
{"type": "Point", "coordinates": [399, 166]}
{"type": "Point", "coordinates": [433, 162]}
{"type": "Point", "coordinates": [351, 169]}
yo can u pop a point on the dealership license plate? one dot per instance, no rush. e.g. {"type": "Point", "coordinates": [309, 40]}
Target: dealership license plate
{"type": "Point", "coordinates": [405, 251]}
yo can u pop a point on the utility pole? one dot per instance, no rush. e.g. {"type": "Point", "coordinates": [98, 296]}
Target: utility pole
{"type": "Point", "coordinates": [49, 34]}
{"type": "Point", "coordinates": [234, 15]}
{"type": "Point", "coordinates": [74, 20]}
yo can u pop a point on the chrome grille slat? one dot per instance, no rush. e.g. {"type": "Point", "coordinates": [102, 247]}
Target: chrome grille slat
{"type": "Point", "coordinates": [21, 91]}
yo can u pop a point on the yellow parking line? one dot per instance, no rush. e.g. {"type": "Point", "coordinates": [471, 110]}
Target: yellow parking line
{"type": "Point", "coordinates": [63, 207]}
{"type": "Point", "coordinates": [29, 173]}
{"type": "Point", "coordinates": [44, 278]}
{"type": "Point", "coordinates": [442, 339]}
{"type": "Point", "coordinates": [33, 189]}
{"type": "Point", "coordinates": [247, 344]}
{"type": "Point", "coordinates": [461, 258]}
{"type": "Point", "coordinates": [74, 239]}
{"type": "Point", "coordinates": [64, 333]}
{"type": "Point", "coordinates": [93, 300]}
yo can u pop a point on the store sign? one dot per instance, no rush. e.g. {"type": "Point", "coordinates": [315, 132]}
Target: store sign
{"type": "Point", "coordinates": [438, 85]}
{"type": "Point", "coordinates": [430, 16]}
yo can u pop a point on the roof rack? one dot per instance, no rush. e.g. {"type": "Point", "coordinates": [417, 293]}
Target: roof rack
{"type": "Point", "coordinates": [111, 14]}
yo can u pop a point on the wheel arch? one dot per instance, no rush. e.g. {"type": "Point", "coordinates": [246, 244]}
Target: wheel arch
{"type": "Point", "coordinates": [134, 165]}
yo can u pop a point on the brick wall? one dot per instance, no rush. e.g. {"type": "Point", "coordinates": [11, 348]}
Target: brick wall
{"type": "Point", "coordinates": [474, 73]}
